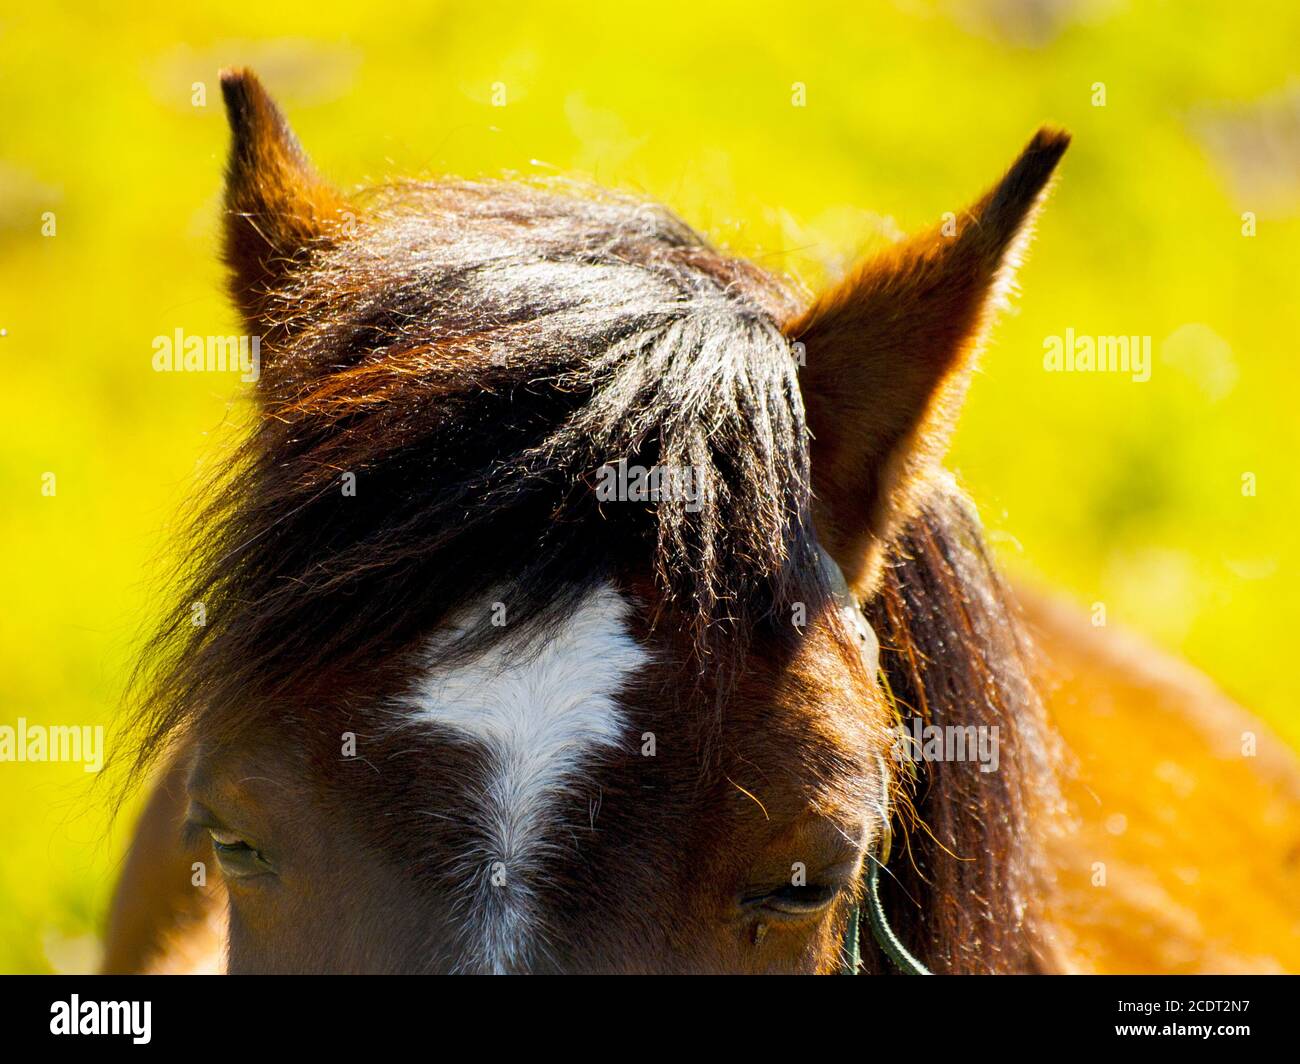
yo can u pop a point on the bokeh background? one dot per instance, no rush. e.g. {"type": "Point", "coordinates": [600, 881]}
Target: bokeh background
{"type": "Point", "coordinates": [1107, 490]}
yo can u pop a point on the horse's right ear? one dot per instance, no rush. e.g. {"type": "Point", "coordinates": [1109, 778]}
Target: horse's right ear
{"type": "Point", "coordinates": [278, 211]}
{"type": "Point", "coordinates": [887, 354]}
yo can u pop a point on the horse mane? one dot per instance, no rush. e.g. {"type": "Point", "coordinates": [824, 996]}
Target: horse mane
{"type": "Point", "coordinates": [472, 357]}
{"type": "Point", "coordinates": [966, 892]}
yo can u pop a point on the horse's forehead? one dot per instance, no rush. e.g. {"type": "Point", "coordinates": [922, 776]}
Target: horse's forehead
{"type": "Point", "coordinates": [557, 729]}
{"type": "Point", "coordinates": [539, 719]}
{"type": "Point", "coordinates": [557, 699]}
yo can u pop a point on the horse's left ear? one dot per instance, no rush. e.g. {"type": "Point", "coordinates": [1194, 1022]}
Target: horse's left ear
{"type": "Point", "coordinates": [278, 210]}
{"type": "Point", "coordinates": [886, 357]}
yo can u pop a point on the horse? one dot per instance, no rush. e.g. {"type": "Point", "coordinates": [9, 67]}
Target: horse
{"type": "Point", "coordinates": [584, 599]}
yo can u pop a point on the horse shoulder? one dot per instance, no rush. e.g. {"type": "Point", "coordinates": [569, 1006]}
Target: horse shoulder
{"type": "Point", "coordinates": [1185, 851]}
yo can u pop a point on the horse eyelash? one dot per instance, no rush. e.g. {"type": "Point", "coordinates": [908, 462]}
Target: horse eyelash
{"type": "Point", "coordinates": [194, 834]}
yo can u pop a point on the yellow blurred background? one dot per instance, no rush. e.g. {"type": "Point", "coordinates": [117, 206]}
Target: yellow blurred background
{"type": "Point", "coordinates": [798, 134]}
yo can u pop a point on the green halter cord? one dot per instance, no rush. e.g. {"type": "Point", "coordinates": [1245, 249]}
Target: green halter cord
{"type": "Point", "coordinates": [884, 935]}
{"type": "Point", "coordinates": [888, 942]}
{"type": "Point", "coordinates": [856, 623]}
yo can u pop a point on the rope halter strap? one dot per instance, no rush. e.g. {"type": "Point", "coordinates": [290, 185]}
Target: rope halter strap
{"type": "Point", "coordinates": [856, 623]}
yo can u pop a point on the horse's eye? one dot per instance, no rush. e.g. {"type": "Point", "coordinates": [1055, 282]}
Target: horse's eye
{"type": "Point", "coordinates": [237, 858]}
{"type": "Point", "coordinates": [796, 901]}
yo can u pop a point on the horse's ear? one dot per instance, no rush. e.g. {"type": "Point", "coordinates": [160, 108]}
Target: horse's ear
{"type": "Point", "coordinates": [886, 356]}
{"type": "Point", "coordinates": [278, 211]}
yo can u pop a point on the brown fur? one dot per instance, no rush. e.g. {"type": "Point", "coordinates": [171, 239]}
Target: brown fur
{"type": "Point", "coordinates": [279, 211]}
{"type": "Point", "coordinates": [1187, 853]}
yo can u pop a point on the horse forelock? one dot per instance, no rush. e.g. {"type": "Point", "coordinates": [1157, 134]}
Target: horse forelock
{"type": "Point", "coordinates": [471, 359]}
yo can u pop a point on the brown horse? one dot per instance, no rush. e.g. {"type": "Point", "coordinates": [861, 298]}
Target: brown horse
{"type": "Point", "coordinates": [526, 642]}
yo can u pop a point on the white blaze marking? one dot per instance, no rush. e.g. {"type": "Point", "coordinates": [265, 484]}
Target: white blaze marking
{"type": "Point", "coordinates": [539, 713]}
